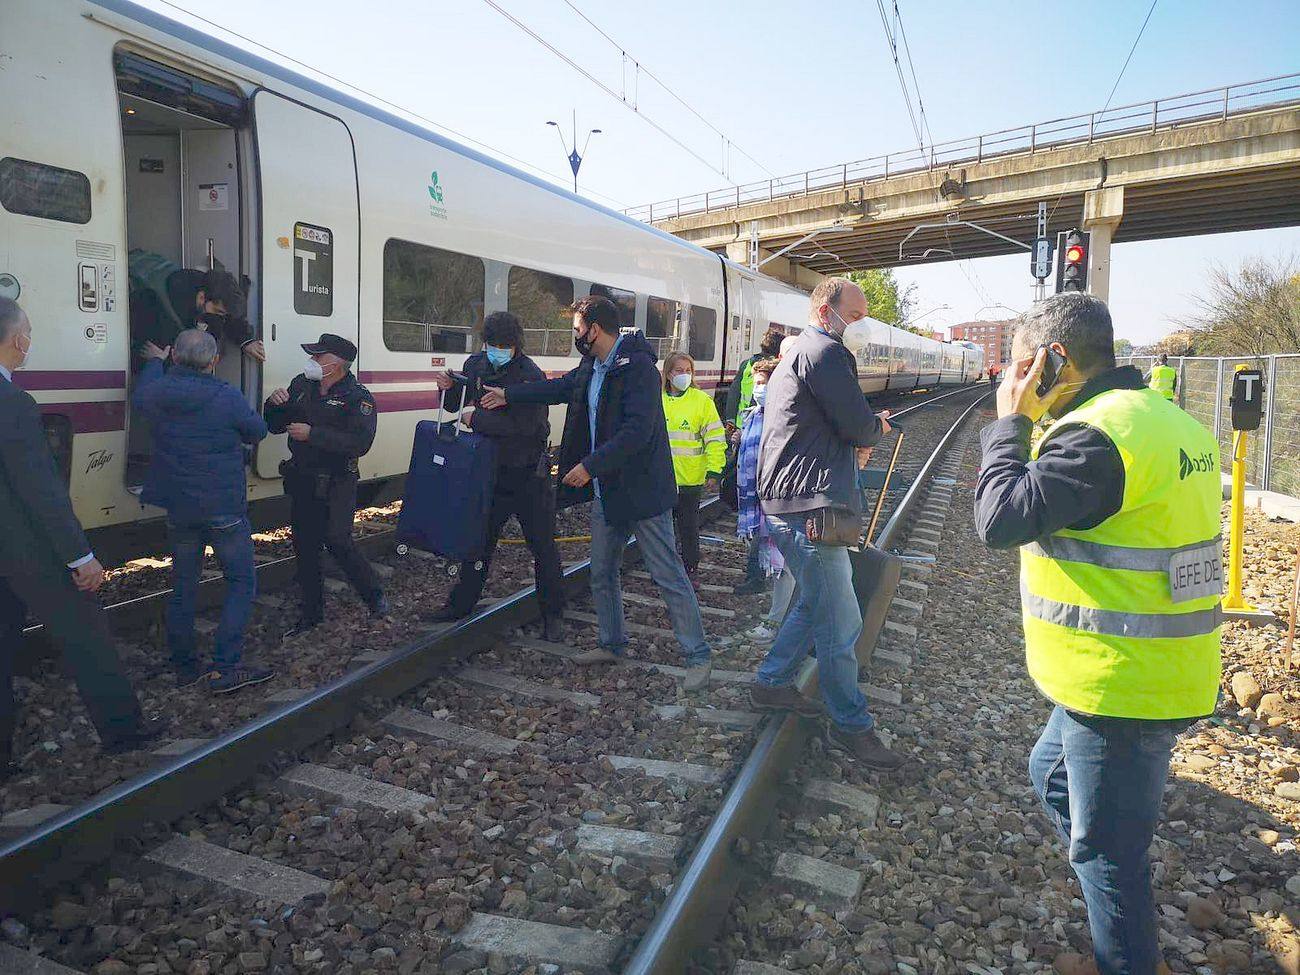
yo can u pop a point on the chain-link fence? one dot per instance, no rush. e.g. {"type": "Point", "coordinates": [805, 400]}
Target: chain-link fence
{"type": "Point", "coordinates": [1205, 392]}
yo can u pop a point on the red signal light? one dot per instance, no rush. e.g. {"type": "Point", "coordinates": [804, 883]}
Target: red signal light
{"type": "Point", "coordinates": [1073, 254]}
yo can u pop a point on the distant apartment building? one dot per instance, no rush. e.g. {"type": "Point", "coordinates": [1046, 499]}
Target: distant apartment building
{"type": "Point", "coordinates": [993, 337]}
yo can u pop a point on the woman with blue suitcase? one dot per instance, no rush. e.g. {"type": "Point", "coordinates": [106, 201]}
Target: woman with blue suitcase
{"type": "Point", "coordinates": [523, 476]}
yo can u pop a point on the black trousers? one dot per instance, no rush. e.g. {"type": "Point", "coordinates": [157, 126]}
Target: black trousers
{"type": "Point", "coordinates": [686, 519]}
{"type": "Point", "coordinates": [321, 513]}
{"type": "Point", "coordinates": [530, 498]}
{"type": "Point", "coordinates": [76, 626]}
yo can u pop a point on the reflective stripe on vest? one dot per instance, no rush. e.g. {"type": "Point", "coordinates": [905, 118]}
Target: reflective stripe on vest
{"type": "Point", "coordinates": [1102, 632]}
{"type": "Point", "coordinates": [1163, 379]}
{"type": "Point", "coordinates": [696, 438]}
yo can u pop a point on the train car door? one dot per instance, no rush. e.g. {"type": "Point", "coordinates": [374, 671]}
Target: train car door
{"type": "Point", "coordinates": [309, 241]}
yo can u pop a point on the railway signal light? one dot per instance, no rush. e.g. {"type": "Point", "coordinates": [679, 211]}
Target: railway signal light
{"type": "Point", "coordinates": [1072, 274]}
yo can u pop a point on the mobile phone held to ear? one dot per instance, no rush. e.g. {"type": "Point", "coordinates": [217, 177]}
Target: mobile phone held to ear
{"type": "Point", "coordinates": [1051, 371]}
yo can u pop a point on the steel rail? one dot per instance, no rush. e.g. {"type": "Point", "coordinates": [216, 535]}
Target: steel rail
{"type": "Point", "coordinates": [702, 895]}
{"type": "Point", "coordinates": [65, 846]}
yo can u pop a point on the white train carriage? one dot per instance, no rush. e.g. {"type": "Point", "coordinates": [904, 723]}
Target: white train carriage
{"type": "Point", "coordinates": [126, 129]}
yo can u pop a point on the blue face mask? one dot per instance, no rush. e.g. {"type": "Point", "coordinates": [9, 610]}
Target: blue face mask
{"type": "Point", "coordinates": [498, 357]}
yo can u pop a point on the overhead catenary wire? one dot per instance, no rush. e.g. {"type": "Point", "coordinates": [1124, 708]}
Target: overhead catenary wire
{"type": "Point", "coordinates": [641, 69]}
{"type": "Point", "coordinates": [916, 85]}
{"type": "Point", "coordinates": [898, 69]}
{"type": "Point", "coordinates": [379, 99]}
{"type": "Point", "coordinates": [606, 88]}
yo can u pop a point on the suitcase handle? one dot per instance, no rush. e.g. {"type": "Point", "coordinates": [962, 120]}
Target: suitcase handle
{"type": "Point", "coordinates": [459, 419]}
{"type": "Point", "coordinates": [884, 488]}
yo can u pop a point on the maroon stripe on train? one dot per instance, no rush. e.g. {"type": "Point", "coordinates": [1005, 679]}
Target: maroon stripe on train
{"type": "Point", "coordinates": [406, 401]}
{"type": "Point", "coordinates": [90, 417]}
{"type": "Point", "coordinates": [382, 376]}
{"type": "Point", "coordinates": [69, 379]}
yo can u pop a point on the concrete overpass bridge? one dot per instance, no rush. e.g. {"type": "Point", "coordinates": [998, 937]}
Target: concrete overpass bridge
{"type": "Point", "coordinates": [1214, 161]}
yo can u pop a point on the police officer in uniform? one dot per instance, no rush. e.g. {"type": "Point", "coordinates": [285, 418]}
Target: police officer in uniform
{"type": "Point", "coordinates": [1120, 584]}
{"type": "Point", "coordinates": [330, 419]}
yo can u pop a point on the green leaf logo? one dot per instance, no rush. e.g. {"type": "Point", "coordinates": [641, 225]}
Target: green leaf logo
{"type": "Point", "coordinates": [435, 190]}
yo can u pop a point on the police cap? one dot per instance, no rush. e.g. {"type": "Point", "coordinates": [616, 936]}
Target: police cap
{"type": "Point", "coordinates": [334, 345]}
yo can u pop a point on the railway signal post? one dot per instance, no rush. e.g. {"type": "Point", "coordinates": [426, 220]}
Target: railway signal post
{"type": "Point", "coordinates": [1247, 410]}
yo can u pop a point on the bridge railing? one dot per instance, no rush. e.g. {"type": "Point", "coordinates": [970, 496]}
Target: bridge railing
{"type": "Point", "coordinates": [1152, 116]}
{"type": "Point", "coordinates": [1205, 391]}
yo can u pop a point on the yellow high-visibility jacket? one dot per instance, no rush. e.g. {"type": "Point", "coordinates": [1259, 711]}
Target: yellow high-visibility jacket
{"type": "Point", "coordinates": [695, 436]}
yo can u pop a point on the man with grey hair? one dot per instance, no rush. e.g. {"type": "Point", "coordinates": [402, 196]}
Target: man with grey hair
{"type": "Point", "coordinates": [816, 419]}
{"type": "Point", "coordinates": [47, 567]}
{"type": "Point", "coordinates": [200, 426]}
{"type": "Point", "coordinates": [1116, 513]}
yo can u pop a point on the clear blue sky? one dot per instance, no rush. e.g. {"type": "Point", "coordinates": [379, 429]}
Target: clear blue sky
{"type": "Point", "coordinates": [796, 86]}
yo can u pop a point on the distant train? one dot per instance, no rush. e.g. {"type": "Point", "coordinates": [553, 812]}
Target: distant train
{"type": "Point", "coordinates": [127, 130]}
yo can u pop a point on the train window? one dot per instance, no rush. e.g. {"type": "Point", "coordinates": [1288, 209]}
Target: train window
{"type": "Point", "coordinates": [625, 300]}
{"type": "Point", "coordinates": [542, 301]}
{"type": "Point", "coordinates": [433, 299]}
{"type": "Point", "coordinates": [36, 190]}
{"type": "Point", "coordinates": [660, 318]}
{"type": "Point", "coordinates": [704, 332]}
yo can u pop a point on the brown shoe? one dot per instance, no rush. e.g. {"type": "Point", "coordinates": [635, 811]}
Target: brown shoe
{"type": "Point", "coordinates": [865, 747]}
{"type": "Point", "coordinates": [785, 697]}
{"type": "Point", "coordinates": [596, 655]}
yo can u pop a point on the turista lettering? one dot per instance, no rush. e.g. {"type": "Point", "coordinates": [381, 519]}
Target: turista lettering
{"type": "Point", "coordinates": [1187, 465]}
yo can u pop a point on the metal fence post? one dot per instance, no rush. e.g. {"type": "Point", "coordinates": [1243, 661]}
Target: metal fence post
{"type": "Point", "coordinates": [652, 214]}
{"type": "Point", "coordinates": [1033, 137]}
{"type": "Point", "coordinates": [1155, 113]}
{"type": "Point", "coordinates": [844, 176]}
{"type": "Point", "coordinates": [1225, 104]}
{"type": "Point", "coordinates": [1092, 125]}
{"type": "Point", "coordinates": [679, 206]}
{"type": "Point", "coordinates": [979, 150]}
{"type": "Point", "coordinates": [769, 191]}
{"type": "Point", "coordinates": [1218, 397]}
{"type": "Point", "coordinates": [737, 194]}
{"type": "Point", "coordinates": [805, 182]}
{"type": "Point", "coordinates": [1270, 393]}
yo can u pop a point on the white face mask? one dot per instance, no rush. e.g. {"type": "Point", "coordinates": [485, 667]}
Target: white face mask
{"type": "Point", "coordinates": [857, 336]}
{"type": "Point", "coordinates": [760, 394]}
{"type": "Point", "coordinates": [313, 370]}
{"type": "Point", "coordinates": [682, 381]}
{"type": "Point", "coordinates": [27, 354]}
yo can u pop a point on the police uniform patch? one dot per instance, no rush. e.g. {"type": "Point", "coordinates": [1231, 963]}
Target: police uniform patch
{"type": "Point", "coordinates": [367, 407]}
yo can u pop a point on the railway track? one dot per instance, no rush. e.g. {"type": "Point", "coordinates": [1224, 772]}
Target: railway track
{"type": "Point", "coordinates": [553, 803]}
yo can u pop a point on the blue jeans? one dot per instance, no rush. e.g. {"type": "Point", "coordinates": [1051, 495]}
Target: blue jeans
{"type": "Point", "coordinates": [658, 547]}
{"type": "Point", "coordinates": [825, 616]}
{"type": "Point", "coordinates": [232, 542]}
{"type": "Point", "coordinates": [1101, 781]}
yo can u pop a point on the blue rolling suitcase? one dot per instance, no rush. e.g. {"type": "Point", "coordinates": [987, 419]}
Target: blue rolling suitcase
{"type": "Point", "coordinates": [448, 492]}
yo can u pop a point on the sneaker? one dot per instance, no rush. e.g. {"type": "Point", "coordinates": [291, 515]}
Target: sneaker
{"type": "Point", "coordinates": [751, 587]}
{"type": "Point", "coordinates": [190, 672]}
{"type": "Point", "coordinates": [762, 633]}
{"type": "Point", "coordinates": [448, 614]}
{"type": "Point", "coordinates": [553, 629]}
{"type": "Point", "coordinates": [865, 747]}
{"type": "Point", "coordinates": [304, 625]}
{"type": "Point", "coordinates": [225, 681]}
{"type": "Point", "coordinates": [697, 678]}
{"type": "Point", "coordinates": [596, 655]}
{"type": "Point", "coordinates": [141, 734]}
{"type": "Point", "coordinates": [378, 607]}
{"type": "Point", "coordinates": [784, 697]}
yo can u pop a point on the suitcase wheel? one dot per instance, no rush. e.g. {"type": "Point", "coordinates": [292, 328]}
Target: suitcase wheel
{"type": "Point", "coordinates": [478, 566]}
{"type": "Point", "coordinates": [402, 549]}
{"type": "Point", "coordinates": [453, 570]}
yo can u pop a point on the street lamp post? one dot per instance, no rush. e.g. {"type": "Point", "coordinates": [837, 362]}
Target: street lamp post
{"type": "Point", "coordinates": [575, 157]}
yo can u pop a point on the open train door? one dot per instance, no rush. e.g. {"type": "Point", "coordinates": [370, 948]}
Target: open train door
{"type": "Point", "coordinates": [311, 224]}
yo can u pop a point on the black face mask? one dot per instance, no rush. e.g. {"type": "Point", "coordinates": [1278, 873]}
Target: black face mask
{"type": "Point", "coordinates": [583, 343]}
{"type": "Point", "coordinates": [213, 322]}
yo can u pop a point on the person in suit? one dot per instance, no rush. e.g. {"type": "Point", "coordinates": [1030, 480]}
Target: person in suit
{"type": "Point", "coordinates": [47, 567]}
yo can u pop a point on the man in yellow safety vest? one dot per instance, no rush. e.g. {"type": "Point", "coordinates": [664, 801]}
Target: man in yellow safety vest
{"type": "Point", "coordinates": [1116, 513]}
{"type": "Point", "coordinates": [1164, 378]}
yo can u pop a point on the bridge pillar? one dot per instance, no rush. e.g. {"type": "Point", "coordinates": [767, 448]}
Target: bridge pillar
{"type": "Point", "coordinates": [779, 268]}
{"type": "Point", "coordinates": [1102, 212]}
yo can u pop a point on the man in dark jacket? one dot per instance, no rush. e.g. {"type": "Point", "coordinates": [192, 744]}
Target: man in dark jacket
{"type": "Point", "coordinates": [46, 565]}
{"type": "Point", "coordinates": [330, 419]}
{"type": "Point", "coordinates": [200, 426]}
{"type": "Point", "coordinates": [815, 419]}
{"type": "Point", "coordinates": [523, 470]}
{"type": "Point", "coordinates": [614, 452]}
{"type": "Point", "coordinates": [166, 299]}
